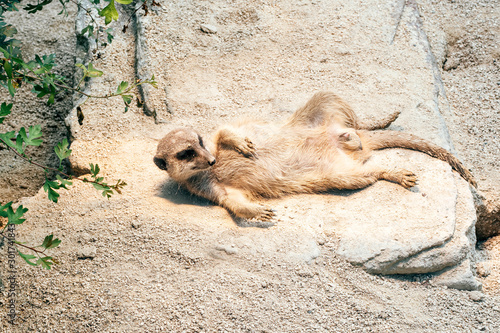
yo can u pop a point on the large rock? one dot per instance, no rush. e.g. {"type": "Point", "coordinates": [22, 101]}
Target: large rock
{"type": "Point", "coordinates": [385, 229]}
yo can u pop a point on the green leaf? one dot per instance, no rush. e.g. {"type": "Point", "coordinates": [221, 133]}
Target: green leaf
{"type": "Point", "coordinates": [22, 63]}
{"type": "Point", "coordinates": [62, 150]}
{"type": "Point", "coordinates": [30, 65]}
{"type": "Point", "coordinates": [49, 187]}
{"type": "Point", "coordinates": [153, 82]}
{"type": "Point", "coordinates": [52, 194]}
{"type": "Point", "coordinates": [45, 262]}
{"type": "Point", "coordinates": [124, 2]}
{"type": "Point", "coordinates": [15, 217]}
{"type": "Point", "coordinates": [94, 169]}
{"type": "Point", "coordinates": [100, 187]}
{"type": "Point", "coordinates": [127, 99]}
{"type": "Point", "coordinates": [35, 132]}
{"type": "Point", "coordinates": [34, 8]}
{"type": "Point", "coordinates": [47, 241]}
{"type": "Point", "coordinates": [51, 99]}
{"type": "Point", "coordinates": [11, 88]}
{"type": "Point", "coordinates": [5, 53]}
{"type": "Point", "coordinates": [7, 138]}
{"type": "Point", "coordinates": [109, 12]}
{"type": "Point", "coordinates": [50, 243]}
{"type": "Point", "coordinates": [64, 182]}
{"type": "Point", "coordinates": [107, 193]}
{"type": "Point", "coordinates": [5, 110]}
{"type": "Point", "coordinates": [8, 30]}
{"type": "Point", "coordinates": [40, 90]}
{"type": "Point", "coordinates": [92, 72]}
{"type": "Point", "coordinates": [27, 258]}
{"type": "Point", "coordinates": [123, 85]}
{"type": "Point", "coordinates": [109, 32]}
{"type": "Point", "coordinates": [88, 29]}
{"type": "Point", "coordinates": [3, 209]}
{"type": "Point", "coordinates": [8, 68]}
{"type": "Point", "coordinates": [81, 66]}
{"type": "Point", "coordinates": [19, 144]}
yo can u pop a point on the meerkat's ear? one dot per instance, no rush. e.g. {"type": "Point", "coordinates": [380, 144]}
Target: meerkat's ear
{"type": "Point", "coordinates": [160, 163]}
{"type": "Point", "coordinates": [345, 136]}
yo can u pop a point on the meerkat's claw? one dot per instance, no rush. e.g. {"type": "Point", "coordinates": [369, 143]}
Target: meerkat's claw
{"type": "Point", "coordinates": [247, 148]}
{"type": "Point", "coordinates": [267, 215]}
{"type": "Point", "coordinates": [408, 179]}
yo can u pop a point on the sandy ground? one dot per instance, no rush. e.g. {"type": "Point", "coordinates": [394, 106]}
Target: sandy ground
{"type": "Point", "coordinates": [127, 265]}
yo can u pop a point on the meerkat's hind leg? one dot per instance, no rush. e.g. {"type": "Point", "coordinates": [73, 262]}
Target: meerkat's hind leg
{"type": "Point", "coordinates": [358, 179]}
{"type": "Point", "coordinates": [322, 109]}
{"type": "Point", "coordinates": [375, 124]}
{"type": "Point", "coordinates": [227, 137]}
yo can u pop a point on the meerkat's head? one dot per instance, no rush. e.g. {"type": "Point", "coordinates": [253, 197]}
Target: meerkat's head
{"type": "Point", "coordinates": [183, 154]}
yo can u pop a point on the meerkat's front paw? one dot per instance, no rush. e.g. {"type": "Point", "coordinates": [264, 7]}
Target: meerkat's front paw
{"type": "Point", "coordinates": [266, 215]}
{"type": "Point", "coordinates": [255, 212]}
{"type": "Point", "coordinates": [246, 148]}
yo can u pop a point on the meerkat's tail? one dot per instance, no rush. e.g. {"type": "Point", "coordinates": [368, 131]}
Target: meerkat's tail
{"type": "Point", "coordinates": [394, 139]}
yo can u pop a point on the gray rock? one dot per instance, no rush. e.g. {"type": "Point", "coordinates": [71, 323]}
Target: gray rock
{"type": "Point", "coordinates": [452, 252]}
{"type": "Point", "coordinates": [387, 233]}
{"type": "Point", "coordinates": [229, 249]}
{"type": "Point", "coordinates": [459, 277]}
{"type": "Point", "coordinates": [208, 28]}
{"type": "Point", "coordinates": [476, 296]}
{"type": "Point", "coordinates": [87, 252]}
{"type": "Point", "coordinates": [483, 269]}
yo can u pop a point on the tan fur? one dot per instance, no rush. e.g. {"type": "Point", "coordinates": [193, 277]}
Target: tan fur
{"type": "Point", "coordinates": [322, 146]}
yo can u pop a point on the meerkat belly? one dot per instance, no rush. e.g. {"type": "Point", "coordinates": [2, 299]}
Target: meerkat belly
{"type": "Point", "coordinates": [262, 175]}
{"type": "Point", "coordinates": [283, 164]}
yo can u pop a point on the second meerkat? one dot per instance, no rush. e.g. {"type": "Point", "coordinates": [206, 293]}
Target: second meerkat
{"type": "Point", "coordinates": [322, 146]}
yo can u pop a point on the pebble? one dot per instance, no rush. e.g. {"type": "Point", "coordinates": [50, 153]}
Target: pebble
{"type": "Point", "coordinates": [476, 296]}
{"type": "Point", "coordinates": [228, 249]}
{"type": "Point", "coordinates": [87, 252]}
{"type": "Point", "coordinates": [483, 269]}
{"type": "Point", "coordinates": [208, 28]}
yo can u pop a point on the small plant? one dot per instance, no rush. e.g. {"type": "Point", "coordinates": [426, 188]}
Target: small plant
{"type": "Point", "coordinates": [17, 143]}
{"type": "Point", "coordinates": [39, 73]}
{"type": "Point", "coordinates": [14, 217]}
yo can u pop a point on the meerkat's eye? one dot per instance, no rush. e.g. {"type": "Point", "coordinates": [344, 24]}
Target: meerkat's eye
{"type": "Point", "coordinates": [186, 154]}
{"type": "Point", "coordinates": [200, 140]}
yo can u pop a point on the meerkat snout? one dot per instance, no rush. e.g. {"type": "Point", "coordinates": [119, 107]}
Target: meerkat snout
{"type": "Point", "coordinates": [160, 163]}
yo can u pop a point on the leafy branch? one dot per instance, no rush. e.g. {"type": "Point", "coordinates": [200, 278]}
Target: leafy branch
{"type": "Point", "coordinates": [39, 73]}
{"type": "Point", "coordinates": [14, 71]}
{"type": "Point", "coordinates": [17, 143]}
{"type": "Point", "coordinates": [16, 218]}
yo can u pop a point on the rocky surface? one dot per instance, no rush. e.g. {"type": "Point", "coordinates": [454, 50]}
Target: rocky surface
{"type": "Point", "coordinates": [398, 71]}
{"type": "Point", "coordinates": [159, 259]}
{"type": "Point", "coordinates": [466, 48]}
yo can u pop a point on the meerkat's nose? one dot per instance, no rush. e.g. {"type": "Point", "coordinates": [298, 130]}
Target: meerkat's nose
{"type": "Point", "coordinates": [212, 162]}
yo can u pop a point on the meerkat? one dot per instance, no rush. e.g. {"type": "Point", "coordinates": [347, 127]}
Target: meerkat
{"type": "Point", "coordinates": [321, 147]}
